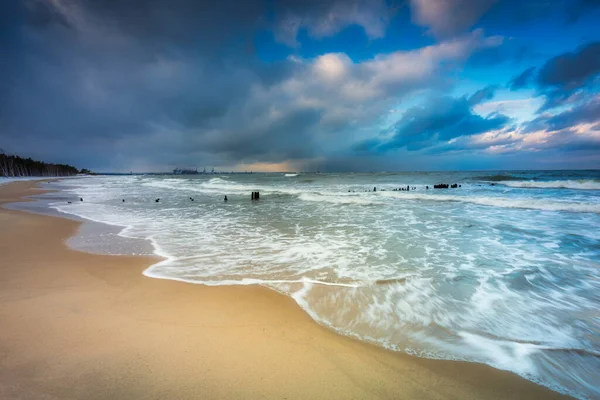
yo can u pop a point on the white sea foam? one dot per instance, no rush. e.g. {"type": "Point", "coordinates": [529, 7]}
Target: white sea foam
{"type": "Point", "coordinates": [583, 184]}
{"type": "Point", "coordinates": [339, 198]}
{"type": "Point", "coordinates": [526, 203]}
{"type": "Point", "coordinates": [218, 186]}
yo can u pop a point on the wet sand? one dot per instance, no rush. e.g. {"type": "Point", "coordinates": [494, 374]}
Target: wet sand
{"type": "Point", "coordinates": [80, 326]}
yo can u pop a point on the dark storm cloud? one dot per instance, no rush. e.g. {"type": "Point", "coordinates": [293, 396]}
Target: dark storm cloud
{"type": "Point", "coordinates": [152, 83]}
{"type": "Point", "coordinates": [585, 113]}
{"type": "Point", "coordinates": [563, 73]}
{"type": "Point", "coordinates": [487, 93]}
{"type": "Point", "coordinates": [522, 80]}
{"type": "Point", "coordinates": [438, 121]}
{"type": "Point", "coordinates": [323, 18]}
{"type": "Point", "coordinates": [144, 84]}
{"type": "Point", "coordinates": [103, 76]}
{"type": "Point", "coordinates": [572, 70]}
{"type": "Point", "coordinates": [40, 14]}
{"type": "Point", "coordinates": [565, 78]}
{"type": "Point", "coordinates": [570, 76]}
{"type": "Point", "coordinates": [250, 141]}
{"type": "Point", "coordinates": [215, 22]}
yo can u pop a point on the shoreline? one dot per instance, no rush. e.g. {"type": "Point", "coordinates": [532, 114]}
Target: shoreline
{"type": "Point", "coordinates": [80, 325]}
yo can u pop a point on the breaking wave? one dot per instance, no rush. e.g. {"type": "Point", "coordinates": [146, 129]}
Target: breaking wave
{"type": "Point", "coordinates": [495, 178]}
{"type": "Point", "coordinates": [505, 202]}
{"type": "Point", "coordinates": [583, 184]}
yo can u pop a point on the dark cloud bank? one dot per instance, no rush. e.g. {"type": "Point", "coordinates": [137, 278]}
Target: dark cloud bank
{"type": "Point", "coordinates": [150, 84]}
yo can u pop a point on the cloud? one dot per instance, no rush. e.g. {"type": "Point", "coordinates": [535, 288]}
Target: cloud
{"type": "Point", "coordinates": [487, 93]}
{"type": "Point", "coordinates": [440, 120]}
{"type": "Point", "coordinates": [509, 52]}
{"type": "Point", "coordinates": [325, 18]}
{"type": "Point", "coordinates": [446, 18]}
{"type": "Point", "coordinates": [580, 114]}
{"type": "Point", "coordinates": [569, 77]}
{"type": "Point", "coordinates": [338, 98]}
{"type": "Point", "coordinates": [570, 71]}
{"type": "Point", "coordinates": [574, 129]}
{"type": "Point", "coordinates": [448, 126]}
{"type": "Point", "coordinates": [564, 79]}
{"type": "Point", "coordinates": [522, 80]}
{"type": "Point", "coordinates": [109, 86]}
{"type": "Point", "coordinates": [517, 109]}
{"type": "Point", "coordinates": [146, 84]}
{"type": "Point", "coordinates": [578, 138]}
{"type": "Point", "coordinates": [204, 24]}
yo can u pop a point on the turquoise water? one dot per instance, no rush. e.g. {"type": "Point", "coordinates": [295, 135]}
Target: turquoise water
{"type": "Point", "coordinates": [504, 270]}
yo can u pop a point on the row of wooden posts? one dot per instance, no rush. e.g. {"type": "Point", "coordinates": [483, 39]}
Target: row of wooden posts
{"type": "Point", "coordinates": [256, 195]}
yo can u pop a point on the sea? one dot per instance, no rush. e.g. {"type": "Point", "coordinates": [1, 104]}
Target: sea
{"type": "Point", "coordinates": [502, 270]}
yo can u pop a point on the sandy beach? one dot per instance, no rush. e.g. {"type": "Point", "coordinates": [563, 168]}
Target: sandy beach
{"type": "Point", "coordinates": [82, 326]}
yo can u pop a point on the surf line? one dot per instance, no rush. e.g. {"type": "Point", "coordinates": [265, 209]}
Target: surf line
{"type": "Point", "coordinates": [250, 281]}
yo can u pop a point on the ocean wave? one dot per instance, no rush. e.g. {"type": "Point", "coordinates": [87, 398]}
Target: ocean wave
{"type": "Point", "coordinates": [214, 185]}
{"type": "Point", "coordinates": [584, 184]}
{"type": "Point", "coordinates": [290, 175]}
{"type": "Point", "coordinates": [532, 204]}
{"type": "Point", "coordinates": [339, 199]}
{"type": "Point", "coordinates": [495, 178]}
{"type": "Point", "coordinates": [220, 186]}
{"type": "Point", "coordinates": [217, 181]}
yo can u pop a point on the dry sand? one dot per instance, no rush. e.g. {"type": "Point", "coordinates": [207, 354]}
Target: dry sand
{"type": "Point", "coordinates": [80, 326]}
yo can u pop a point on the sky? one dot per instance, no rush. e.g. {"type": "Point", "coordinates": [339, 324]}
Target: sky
{"type": "Point", "coordinates": [302, 85]}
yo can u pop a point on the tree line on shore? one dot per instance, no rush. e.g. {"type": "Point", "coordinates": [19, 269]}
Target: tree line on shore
{"type": "Point", "coordinates": [15, 166]}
